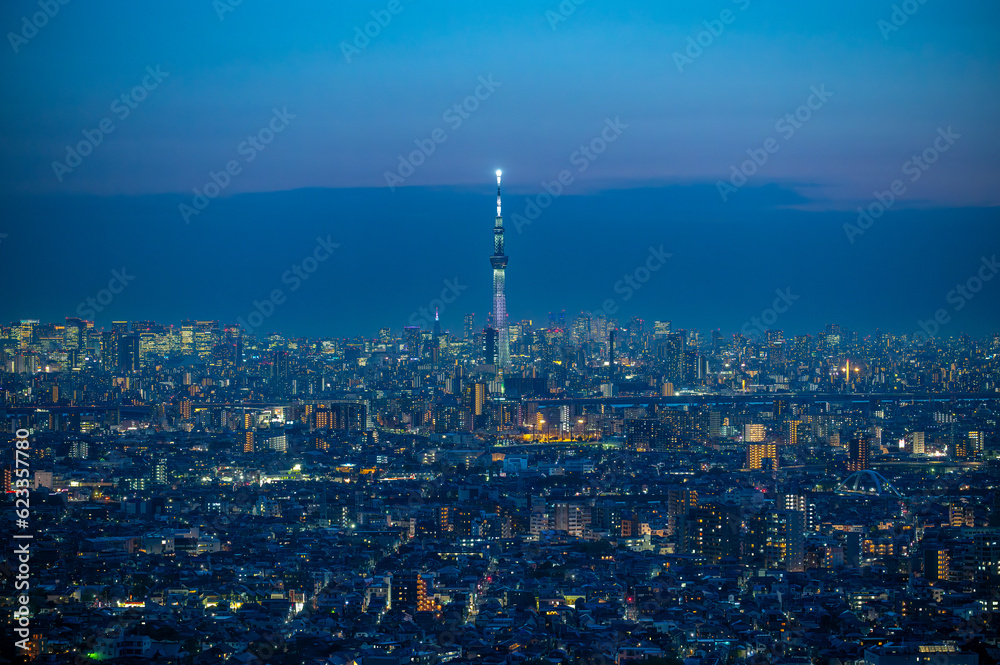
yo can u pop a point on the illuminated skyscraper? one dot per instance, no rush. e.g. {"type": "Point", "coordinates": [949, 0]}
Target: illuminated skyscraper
{"type": "Point", "coordinates": [411, 336]}
{"type": "Point", "coordinates": [205, 335]}
{"type": "Point", "coordinates": [470, 325]}
{"type": "Point", "coordinates": [75, 334]}
{"type": "Point", "coordinates": [187, 338]}
{"type": "Point", "coordinates": [128, 354]}
{"type": "Point", "coordinates": [499, 263]}
{"type": "Point", "coordinates": [28, 325]}
{"type": "Point", "coordinates": [109, 351]}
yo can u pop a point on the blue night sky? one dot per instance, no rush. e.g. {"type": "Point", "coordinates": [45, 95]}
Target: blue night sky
{"type": "Point", "coordinates": [686, 116]}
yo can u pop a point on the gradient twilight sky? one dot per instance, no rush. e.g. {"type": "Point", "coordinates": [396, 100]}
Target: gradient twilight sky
{"type": "Point", "coordinates": [891, 92]}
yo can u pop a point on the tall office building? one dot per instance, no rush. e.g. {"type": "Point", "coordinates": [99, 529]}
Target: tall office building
{"type": "Point", "coordinates": [717, 341]}
{"type": "Point", "coordinates": [437, 325]}
{"type": "Point", "coordinates": [470, 326]}
{"type": "Point", "coordinates": [75, 334]}
{"type": "Point", "coordinates": [74, 342]}
{"type": "Point", "coordinates": [147, 347]}
{"type": "Point", "coordinates": [635, 331]}
{"type": "Point", "coordinates": [833, 334]}
{"type": "Point", "coordinates": [671, 348]}
{"type": "Point", "coordinates": [128, 354]}
{"type": "Point", "coordinates": [205, 335]}
{"type": "Point", "coordinates": [499, 263]}
{"type": "Point", "coordinates": [581, 331]}
{"type": "Point", "coordinates": [279, 369]}
{"type": "Point", "coordinates": [233, 339]}
{"type": "Point", "coordinates": [109, 351]}
{"type": "Point", "coordinates": [612, 349]}
{"type": "Point", "coordinates": [411, 337]}
{"type": "Point", "coordinates": [801, 347]}
{"type": "Point", "coordinates": [187, 338]}
{"type": "Point", "coordinates": [27, 332]}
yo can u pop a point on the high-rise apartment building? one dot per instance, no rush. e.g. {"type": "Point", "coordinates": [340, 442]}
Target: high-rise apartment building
{"type": "Point", "coordinates": [762, 456]}
{"type": "Point", "coordinates": [859, 452]}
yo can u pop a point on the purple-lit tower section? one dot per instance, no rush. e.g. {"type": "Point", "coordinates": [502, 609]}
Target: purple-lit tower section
{"type": "Point", "coordinates": [499, 263]}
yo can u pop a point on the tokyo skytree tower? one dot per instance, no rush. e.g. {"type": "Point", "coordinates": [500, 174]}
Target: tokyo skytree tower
{"type": "Point", "coordinates": [499, 263]}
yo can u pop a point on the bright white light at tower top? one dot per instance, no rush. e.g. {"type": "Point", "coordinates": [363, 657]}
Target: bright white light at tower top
{"type": "Point", "coordinates": [499, 173]}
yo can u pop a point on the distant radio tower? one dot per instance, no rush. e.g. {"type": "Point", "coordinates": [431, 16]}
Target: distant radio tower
{"type": "Point", "coordinates": [499, 263]}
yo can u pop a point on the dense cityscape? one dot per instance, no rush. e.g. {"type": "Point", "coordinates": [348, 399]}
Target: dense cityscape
{"type": "Point", "coordinates": [717, 384]}
{"type": "Point", "coordinates": [583, 491]}
{"type": "Point", "coordinates": [200, 494]}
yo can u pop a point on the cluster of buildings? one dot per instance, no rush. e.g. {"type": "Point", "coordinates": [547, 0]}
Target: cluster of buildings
{"type": "Point", "coordinates": [218, 497]}
{"type": "Point", "coordinates": [578, 492]}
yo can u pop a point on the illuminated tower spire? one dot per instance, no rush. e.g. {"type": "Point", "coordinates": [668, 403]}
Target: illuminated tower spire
{"type": "Point", "coordinates": [499, 263]}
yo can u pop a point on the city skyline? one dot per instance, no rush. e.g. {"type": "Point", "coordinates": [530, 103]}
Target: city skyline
{"type": "Point", "coordinates": [835, 175]}
{"type": "Point", "coordinates": [703, 283]}
{"type": "Point", "coordinates": [728, 393]}
{"type": "Point", "coordinates": [755, 331]}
